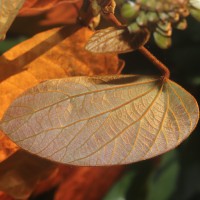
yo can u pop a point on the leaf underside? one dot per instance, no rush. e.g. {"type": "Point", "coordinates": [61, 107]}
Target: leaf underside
{"type": "Point", "coordinates": [116, 40]}
{"type": "Point", "coordinates": [104, 120]}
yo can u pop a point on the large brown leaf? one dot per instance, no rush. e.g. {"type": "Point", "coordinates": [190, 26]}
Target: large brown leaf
{"type": "Point", "coordinates": [104, 120]}
{"type": "Point", "coordinates": [51, 54]}
{"type": "Point", "coordinates": [8, 11]}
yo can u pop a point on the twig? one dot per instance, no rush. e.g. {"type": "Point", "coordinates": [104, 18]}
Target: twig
{"type": "Point", "coordinates": [165, 71]}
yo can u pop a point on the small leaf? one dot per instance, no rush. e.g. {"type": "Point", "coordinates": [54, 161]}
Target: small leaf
{"type": "Point", "coordinates": [8, 11]}
{"type": "Point", "coordinates": [116, 40]}
{"type": "Point", "coordinates": [106, 120]}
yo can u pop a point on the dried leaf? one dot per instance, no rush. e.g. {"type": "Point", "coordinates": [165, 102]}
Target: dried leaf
{"type": "Point", "coordinates": [62, 14]}
{"type": "Point", "coordinates": [8, 11]}
{"type": "Point", "coordinates": [116, 40]}
{"type": "Point", "coordinates": [34, 7]}
{"type": "Point", "coordinates": [21, 172]}
{"type": "Point", "coordinates": [55, 55]}
{"type": "Point", "coordinates": [88, 183]}
{"type": "Point", "coordinates": [104, 120]}
{"type": "Point", "coordinates": [4, 196]}
{"type": "Point", "coordinates": [7, 147]}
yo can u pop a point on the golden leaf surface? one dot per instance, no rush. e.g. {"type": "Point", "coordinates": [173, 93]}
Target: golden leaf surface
{"type": "Point", "coordinates": [8, 11]}
{"type": "Point", "coordinates": [105, 120]}
{"type": "Point", "coordinates": [117, 40]}
{"type": "Point", "coordinates": [47, 55]}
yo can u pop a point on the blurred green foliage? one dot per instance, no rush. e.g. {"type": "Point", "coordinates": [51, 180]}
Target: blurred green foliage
{"type": "Point", "coordinates": [5, 45]}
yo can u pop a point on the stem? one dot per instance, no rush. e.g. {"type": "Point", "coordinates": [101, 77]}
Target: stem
{"type": "Point", "coordinates": [165, 71]}
{"type": "Point", "coordinates": [111, 17]}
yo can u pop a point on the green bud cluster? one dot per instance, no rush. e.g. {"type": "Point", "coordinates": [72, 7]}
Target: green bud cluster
{"type": "Point", "coordinates": [158, 16]}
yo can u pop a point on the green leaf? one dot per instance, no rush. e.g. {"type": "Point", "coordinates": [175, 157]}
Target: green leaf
{"type": "Point", "coordinates": [119, 190]}
{"type": "Point", "coordinates": [162, 182]}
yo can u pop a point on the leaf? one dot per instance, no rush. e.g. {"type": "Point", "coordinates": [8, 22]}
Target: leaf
{"type": "Point", "coordinates": [33, 7]}
{"type": "Point", "coordinates": [88, 183]}
{"type": "Point", "coordinates": [8, 12]}
{"type": "Point", "coordinates": [7, 147]}
{"type": "Point", "coordinates": [163, 180]}
{"type": "Point", "coordinates": [4, 196]}
{"type": "Point", "coordinates": [195, 13]}
{"type": "Point", "coordinates": [195, 3]}
{"type": "Point", "coordinates": [119, 190]}
{"type": "Point", "coordinates": [106, 120]}
{"type": "Point", "coordinates": [21, 172]}
{"type": "Point", "coordinates": [31, 21]}
{"type": "Point", "coordinates": [116, 40]}
{"type": "Point", "coordinates": [49, 55]}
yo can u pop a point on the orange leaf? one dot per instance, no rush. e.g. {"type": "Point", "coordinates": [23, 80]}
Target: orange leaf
{"type": "Point", "coordinates": [21, 172]}
{"type": "Point", "coordinates": [60, 15]}
{"type": "Point", "coordinates": [88, 183]}
{"type": "Point", "coordinates": [4, 196]}
{"type": "Point", "coordinates": [7, 147]}
{"type": "Point", "coordinates": [51, 54]}
{"type": "Point", "coordinates": [34, 7]}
